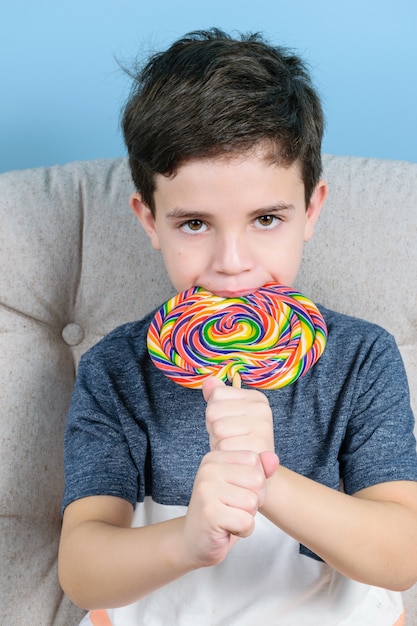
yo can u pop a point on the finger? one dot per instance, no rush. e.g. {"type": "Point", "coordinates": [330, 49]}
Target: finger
{"type": "Point", "coordinates": [209, 384]}
{"type": "Point", "coordinates": [241, 469]}
{"type": "Point", "coordinates": [270, 462]}
{"type": "Point", "coordinates": [242, 527]}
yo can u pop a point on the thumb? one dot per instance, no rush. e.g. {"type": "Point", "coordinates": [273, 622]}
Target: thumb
{"type": "Point", "coordinates": [209, 385]}
{"type": "Point", "coordinates": [269, 462]}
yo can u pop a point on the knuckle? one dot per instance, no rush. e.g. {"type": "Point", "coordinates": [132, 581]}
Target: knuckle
{"type": "Point", "coordinates": [252, 458]}
{"type": "Point", "coordinates": [252, 503]}
{"type": "Point", "coordinates": [248, 526]}
{"type": "Point", "coordinates": [259, 480]}
{"type": "Point", "coordinates": [210, 414]}
{"type": "Point", "coordinates": [217, 429]}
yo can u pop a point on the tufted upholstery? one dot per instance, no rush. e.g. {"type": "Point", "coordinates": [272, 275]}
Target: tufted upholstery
{"type": "Point", "coordinates": [74, 264]}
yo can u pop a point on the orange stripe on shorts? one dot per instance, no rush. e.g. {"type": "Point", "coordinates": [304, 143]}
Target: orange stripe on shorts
{"type": "Point", "coordinates": [100, 618]}
{"type": "Point", "coordinates": [400, 621]}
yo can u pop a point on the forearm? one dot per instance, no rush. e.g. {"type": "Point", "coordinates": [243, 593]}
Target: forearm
{"type": "Point", "coordinates": [107, 566]}
{"type": "Point", "coordinates": [369, 540]}
{"type": "Point", "coordinates": [104, 563]}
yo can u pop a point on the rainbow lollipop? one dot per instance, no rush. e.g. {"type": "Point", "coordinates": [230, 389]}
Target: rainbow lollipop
{"type": "Point", "coordinates": [269, 338]}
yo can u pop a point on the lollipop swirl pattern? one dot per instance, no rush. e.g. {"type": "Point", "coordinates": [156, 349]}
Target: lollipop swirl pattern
{"type": "Point", "coordinates": [270, 338]}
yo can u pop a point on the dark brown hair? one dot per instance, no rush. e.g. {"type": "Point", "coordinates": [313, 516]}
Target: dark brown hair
{"type": "Point", "coordinates": [212, 95]}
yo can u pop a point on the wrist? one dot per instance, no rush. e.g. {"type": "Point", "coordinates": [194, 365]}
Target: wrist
{"type": "Point", "coordinates": [174, 547]}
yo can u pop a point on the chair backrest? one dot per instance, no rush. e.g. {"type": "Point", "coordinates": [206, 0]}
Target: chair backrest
{"type": "Point", "coordinates": [75, 263]}
{"type": "Point", "coordinates": [362, 259]}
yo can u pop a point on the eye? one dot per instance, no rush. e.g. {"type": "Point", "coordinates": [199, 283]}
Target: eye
{"type": "Point", "coordinates": [267, 221]}
{"type": "Point", "coordinates": [193, 226]}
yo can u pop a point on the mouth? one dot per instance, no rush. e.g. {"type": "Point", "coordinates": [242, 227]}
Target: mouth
{"type": "Point", "coordinates": [241, 293]}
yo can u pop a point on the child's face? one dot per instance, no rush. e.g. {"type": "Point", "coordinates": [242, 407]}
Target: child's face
{"type": "Point", "coordinates": [231, 225]}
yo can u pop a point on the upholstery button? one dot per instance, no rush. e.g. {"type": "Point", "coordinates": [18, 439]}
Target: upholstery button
{"type": "Point", "coordinates": [73, 334]}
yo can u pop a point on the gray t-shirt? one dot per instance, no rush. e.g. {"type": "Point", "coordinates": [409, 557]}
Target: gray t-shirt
{"type": "Point", "coordinates": [132, 433]}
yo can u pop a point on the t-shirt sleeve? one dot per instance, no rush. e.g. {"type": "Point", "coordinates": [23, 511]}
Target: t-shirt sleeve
{"type": "Point", "coordinates": [96, 451]}
{"type": "Point", "coordinates": [379, 445]}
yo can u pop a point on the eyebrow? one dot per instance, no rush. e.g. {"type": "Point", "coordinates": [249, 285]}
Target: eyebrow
{"type": "Point", "coordinates": [280, 207]}
{"type": "Point", "coordinates": [188, 214]}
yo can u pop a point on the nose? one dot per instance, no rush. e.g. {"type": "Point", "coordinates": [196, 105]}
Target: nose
{"type": "Point", "coordinates": [233, 255]}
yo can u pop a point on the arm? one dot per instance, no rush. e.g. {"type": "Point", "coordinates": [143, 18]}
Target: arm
{"type": "Point", "coordinates": [371, 536]}
{"type": "Point", "coordinates": [103, 562]}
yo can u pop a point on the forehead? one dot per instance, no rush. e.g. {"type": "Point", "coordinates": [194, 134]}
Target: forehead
{"type": "Point", "coordinates": [251, 179]}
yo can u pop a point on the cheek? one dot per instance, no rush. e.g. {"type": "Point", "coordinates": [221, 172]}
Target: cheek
{"type": "Point", "coordinates": [285, 260]}
{"type": "Point", "coordinates": [180, 268]}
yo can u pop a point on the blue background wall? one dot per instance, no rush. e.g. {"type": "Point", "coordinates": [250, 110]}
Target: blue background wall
{"type": "Point", "coordinates": [61, 88]}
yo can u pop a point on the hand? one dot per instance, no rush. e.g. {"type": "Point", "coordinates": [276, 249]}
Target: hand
{"type": "Point", "coordinates": [228, 490]}
{"type": "Point", "coordinates": [230, 485]}
{"type": "Point", "coordinates": [239, 419]}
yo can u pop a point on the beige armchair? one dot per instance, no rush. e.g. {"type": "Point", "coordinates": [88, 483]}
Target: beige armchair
{"type": "Point", "coordinates": [74, 264]}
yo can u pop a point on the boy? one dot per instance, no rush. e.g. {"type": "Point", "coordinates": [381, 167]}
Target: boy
{"type": "Point", "coordinates": [175, 508]}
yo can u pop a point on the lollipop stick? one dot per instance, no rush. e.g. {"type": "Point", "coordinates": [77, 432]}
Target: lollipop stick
{"type": "Point", "coordinates": [236, 381]}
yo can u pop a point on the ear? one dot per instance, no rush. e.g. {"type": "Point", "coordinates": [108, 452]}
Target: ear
{"type": "Point", "coordinates": [317, 200]}
{"type": "Point", "coordinates": [146, 218]}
